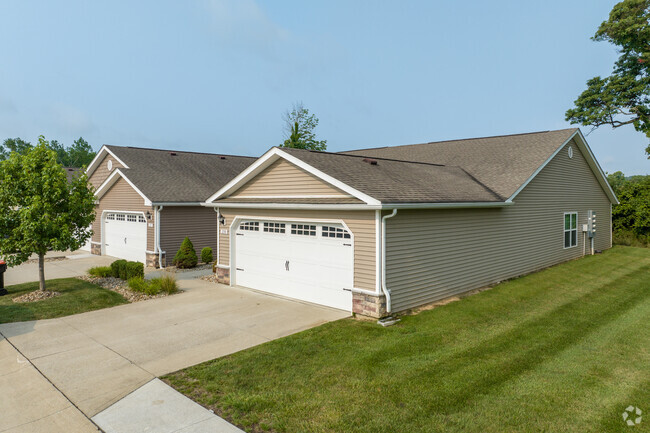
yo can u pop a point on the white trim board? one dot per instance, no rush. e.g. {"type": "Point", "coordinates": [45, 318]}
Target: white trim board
{"type": "Point", "coordinates": [591, 161]}
{"type": "Point", "coordinates": [92, 166]}
{"type": "Point", "coordinates": [110, 181]}
{"type": "Point", "coordinates": [269, 158]}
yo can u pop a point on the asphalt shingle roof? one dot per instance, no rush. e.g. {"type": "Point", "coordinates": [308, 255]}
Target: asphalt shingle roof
{"type": "Point", "coordinates": [501, 163]}
{"type": "Point", "coordinates": [393, 181]}
{"type": "Point", "coordinates": [176, 176]}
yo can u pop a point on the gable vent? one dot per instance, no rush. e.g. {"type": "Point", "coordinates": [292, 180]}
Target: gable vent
{"type": "Point", "coordinates": [370, 161]}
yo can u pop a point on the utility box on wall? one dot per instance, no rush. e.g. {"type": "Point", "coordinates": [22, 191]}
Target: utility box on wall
{"type": "Point", "coordinates": [591, 224]}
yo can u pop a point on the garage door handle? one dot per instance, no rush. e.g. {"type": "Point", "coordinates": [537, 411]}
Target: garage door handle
{"type": "Point", "coordinates": [286, 265]}
{"type": "Point", "coordinates": [124, 240]}
{"type": "Point", "coordinates": [347, 245]}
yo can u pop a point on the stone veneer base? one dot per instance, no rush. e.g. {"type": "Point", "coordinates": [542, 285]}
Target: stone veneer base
{"type": "Point", "coordinates": [223, 275]}
{"type": "Point", "coordinates": [152, 260]}
{"type": "Point", "coordinates": [369, 305]}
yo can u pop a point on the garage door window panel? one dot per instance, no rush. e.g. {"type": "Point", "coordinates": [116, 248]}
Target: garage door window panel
{"type": "Point", "coordinates": [303, 229]}
{"type": "Point", "coordinates": [270, 227]}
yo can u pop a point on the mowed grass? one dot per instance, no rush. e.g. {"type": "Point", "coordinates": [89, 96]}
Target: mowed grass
{"type": "Point", "coordinates": [565, 349]}
{"type": "Point", "coordinates": [76, 296]}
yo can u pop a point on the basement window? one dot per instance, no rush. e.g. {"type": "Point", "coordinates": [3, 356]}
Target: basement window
{"type": "Point", "coordinates": [303, 229]}
{"type": "Point", "coordinates": [251, 226]}
{"type": "Point", "coordinates": [274, 227]}
{"type": "Point", "coordinates": [335, 232]}
{"type": "Point", "coordinates": [570, 229]}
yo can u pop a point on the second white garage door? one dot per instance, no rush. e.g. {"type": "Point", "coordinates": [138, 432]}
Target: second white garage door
{"type": "Point", "coordinates": [125, 236]}
{"type": "Point", "coordinates": [308, 261]}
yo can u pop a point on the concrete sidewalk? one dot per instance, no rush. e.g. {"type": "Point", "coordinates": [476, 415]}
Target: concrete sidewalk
{"type": "Point", "coordinates": [97, 358]}
{"type": "Point", "coordinates": [77, 264]}
{"type": "Point", "coordinates": [30, 403]}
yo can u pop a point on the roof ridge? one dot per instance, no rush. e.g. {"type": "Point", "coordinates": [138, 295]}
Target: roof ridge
{"type": "Point", "coordinates": [177, 151]}
{"type": "Point", "coordinates": [372, 157]}
{"type": "Point", "coordinates": [463, 139]}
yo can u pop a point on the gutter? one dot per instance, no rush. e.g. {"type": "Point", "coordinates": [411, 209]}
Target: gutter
{"type": "Point", "coordinates": [383, 260]}
{"type": "Point", "coordinates": [386, 206]}
{"type": "Point", "coordinates": [158, 209]}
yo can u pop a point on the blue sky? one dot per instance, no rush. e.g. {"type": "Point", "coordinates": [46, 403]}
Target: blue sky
{"type": "Point", "coordinates": [217, 75]}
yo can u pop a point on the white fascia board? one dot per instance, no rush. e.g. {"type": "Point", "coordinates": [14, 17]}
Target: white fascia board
{"type": "Point", "coordinates": [92, 166]}
{"type": "Point", "coordinates": [273, 155]}
{"type": "Point", "coordinates": [458, 205]}
{"type": "Point", "coordinates": [312, 206]}
{"type": "Point", "coordinates": [104, 187]}
{"type": "Point", "coordinates": [591, 161]}
{"type": "Point", "coordinates": [595, 167]}
{"type": "Point", "coordinates": [177, 203]}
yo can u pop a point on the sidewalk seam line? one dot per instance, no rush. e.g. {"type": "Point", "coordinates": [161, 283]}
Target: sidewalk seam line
{"type": "Point", "coordinates": [50, 382]}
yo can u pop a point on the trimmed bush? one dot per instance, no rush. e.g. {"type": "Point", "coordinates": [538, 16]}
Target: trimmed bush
{"type": "Point", "coordinates": [206, 255]}
{"type": "Point", "coordinates": [186, 257]}
{"type": "Point", "coordinates": [101, 271]}
{"type": "Point", "coordinates": [134, 269]}
{"type": "Point", "coordinates": [118, 269]}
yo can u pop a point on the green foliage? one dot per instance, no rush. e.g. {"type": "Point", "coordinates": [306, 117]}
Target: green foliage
{"type": "Point", "coordinates": [101, 271]}
{"type": "Point", "coordinates": [632, 214]}
{"type": "Point", "coordinates": [41, 210]}
{"type": "Point", "coordinates": [206, 255]}
{"type": "Point", "coordinates": [623, 98]}
{"type": "Point", "coordinates": [165, 284]}
{"type": "Point", "coordinates": [299, 129]}
{"type": "Point", "coordinates": [118, 268]}
{"type": "Point", "coordinates": [79, 154]}
{"type": "Point", "coordinates": [186, 256]}
{"type": "Point", "coordinates": [134, 269]}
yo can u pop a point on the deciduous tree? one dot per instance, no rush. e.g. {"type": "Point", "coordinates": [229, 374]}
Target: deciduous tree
{"type": "Point", "coordinates": [299, 129]}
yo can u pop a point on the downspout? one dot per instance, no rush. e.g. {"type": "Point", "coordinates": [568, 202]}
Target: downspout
{"type": "Point", "coordinates": [216, 209]}
{"type": "Point", "coordinates": [158, 237]}
{"type": "Point", "coordinates": [383, 260]}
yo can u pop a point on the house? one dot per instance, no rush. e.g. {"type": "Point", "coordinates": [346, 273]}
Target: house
{"type": "Point", "coordinates": [384, 230]}
{"type": "Point", "coordinates": [148, 200]}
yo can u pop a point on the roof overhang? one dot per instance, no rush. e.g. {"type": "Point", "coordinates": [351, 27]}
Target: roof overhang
{"type": "Point", "coordinates": [96, 160]}
{"type": "Point", "coordinates": [110, 181]}
{"type": "Point", "coordinates": [269, 158]}
{"type": "Point", "coordinates": [381, 206]}
{"type": "Point", "coordinates": [591, 161]}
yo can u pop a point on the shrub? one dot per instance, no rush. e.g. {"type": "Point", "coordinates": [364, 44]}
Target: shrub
{"type": "Point", "coordinates": [168, 284]}
{"type": "Point", "coordinates": [206, 255]}
{"type": "Point", "coordinates": [118, 269]}
{"type": "Point", "coordinates": [134, 269]}
{"type": "Point", "coordinates": [101, 271]}
{"type": "Point", "coordinates": [186, 257]}
{"type": "Point", "coordinates": [138, 284]}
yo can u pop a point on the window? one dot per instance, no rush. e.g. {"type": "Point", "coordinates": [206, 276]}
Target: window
{"type": "Point", "coordinates": [570, 229]}
{"type": "Point", "coordinates": [335, 232]}
{"type": "Point", "coordinates": [303, 229]}
{"type": "Point", "coordinates": [131, 218]}
{"type": "Point", "coordinates": [141, 219]}
{"type": "Point", "coordinates": [110, 216]}
{"type": "Point", "coordinates": [251, 226]}
{"type": "Point", "coordinates": [120, 217]}
{"type": "Point", "coordinates": [274, 227]}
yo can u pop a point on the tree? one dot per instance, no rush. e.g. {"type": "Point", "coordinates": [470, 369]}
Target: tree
{"type": "Point", "coordinates": [623, 98]}
{"type": "Point", "coordinates": [41, 210]}
{"type": "Point", "coordinates": [299, 129]}
{"type": "Point", "coordinates": [79, 154]}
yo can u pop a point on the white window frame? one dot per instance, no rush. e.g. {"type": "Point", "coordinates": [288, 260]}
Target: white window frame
{"type": "Point", "coordinates": [565, 230]}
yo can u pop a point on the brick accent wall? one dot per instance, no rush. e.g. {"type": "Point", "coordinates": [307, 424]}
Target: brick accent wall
{"type": "Point", "coordinates": [369, 305]}
{"type": "Point", "coordinates": [152, 260]}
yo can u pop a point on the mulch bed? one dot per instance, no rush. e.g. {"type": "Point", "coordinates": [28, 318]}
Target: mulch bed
{"type": "Point", "coordinates": [36, 295]}
{"type": "Point", "coordinates": [120, 286]}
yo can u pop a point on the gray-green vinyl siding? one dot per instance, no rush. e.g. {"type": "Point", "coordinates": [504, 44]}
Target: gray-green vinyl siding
{"type": "Point", "coordinates": [435, 254]}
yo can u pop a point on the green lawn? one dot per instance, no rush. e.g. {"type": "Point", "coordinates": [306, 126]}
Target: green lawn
{"type": "Point", "coordinates": [565, 349]}
{"type": "Point", "coordinates": [76, 296]}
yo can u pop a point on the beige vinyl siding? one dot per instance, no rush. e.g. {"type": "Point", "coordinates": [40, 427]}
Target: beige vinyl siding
{"type": "Point", "coordinates": [196, 222]}
{"type": "Point", "coordinates": [361, 223]}
{"type": "Point", "coordinates": [283, 178]}
{"type": "Point", "coordinates": [121, 197]}
{"type": "Point", "coordinates": [433, 254]}
{"type": "Point", "coordinates": [101, 173]}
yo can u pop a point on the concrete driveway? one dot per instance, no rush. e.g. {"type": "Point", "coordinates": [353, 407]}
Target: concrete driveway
{"type": "Point", "coordinates": [57, 265]}
{"type": "Point", "coordinates": [97, 358]}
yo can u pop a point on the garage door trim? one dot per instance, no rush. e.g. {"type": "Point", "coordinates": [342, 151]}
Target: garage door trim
{"type": "Point", "coordinates": [103, 234]}
{"type": "Point", "coordinates": [235, 223]}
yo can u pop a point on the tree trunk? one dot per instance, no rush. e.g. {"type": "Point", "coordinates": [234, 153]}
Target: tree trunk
{"type": "Point", "coordinates": [41, 271]}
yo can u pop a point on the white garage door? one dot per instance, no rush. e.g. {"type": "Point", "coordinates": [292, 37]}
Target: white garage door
{"type": "Point", "coordinates": [308, 261]}
{"type": "Point", "coordinates": [125, 236]}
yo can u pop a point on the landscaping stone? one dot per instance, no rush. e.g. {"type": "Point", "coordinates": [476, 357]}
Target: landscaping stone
{"type": "Point", "coordinates": [121, 287]}
{"type": "Point", "coordinates": [36, 295]}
